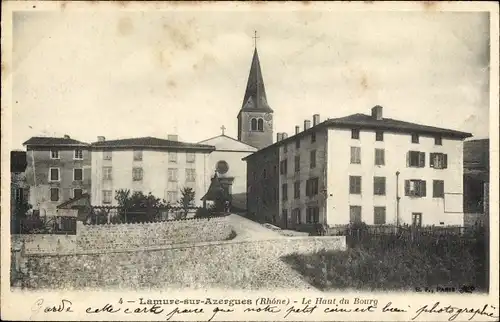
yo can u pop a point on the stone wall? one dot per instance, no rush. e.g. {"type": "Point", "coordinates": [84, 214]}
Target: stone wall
{"type": "Point", "coordinates": [116, 237]}
{"type": "Point", "coordinates": [131, 236]}
{"type": "Point", "coordinates": [231, 264]}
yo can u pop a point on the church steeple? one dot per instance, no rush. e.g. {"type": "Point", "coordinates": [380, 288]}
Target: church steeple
{"type": "Point", "coordinates": [255, 118]}
{"type": "Point", "coordinates": [255, 95]}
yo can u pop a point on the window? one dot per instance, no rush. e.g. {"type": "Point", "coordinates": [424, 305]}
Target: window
{"type": "Point", "coordinates": [284, 167]}
{"type": "Point", "coordinates": [297, 143]}
{"type": "Point", "coordinates": [414, 138]}
{"type": "Point", "coordinates": [285, 148]}
{"type": "Point", "coordinates": [78, 154]}
{"type": "Point", "coordinates": [284, 216]}
{"type": "Point", "coordinates": [77, 174]}
{"type": "Point", "coordinates": [312, 215]}
{"type": "Point", "coordinates": [355, 134]}
{"type": "Point", "coordinates": [137, 174]}
{"type": "Point", "coordinates": [54, 174]}
{"type": "Point", "coordinates": [107, 155]}
{"type": "Point", "coordinates": [137, 155]}
{"type": "Point", "coordinates": [438, 160]}
{"type": "Point", "coordinates": [379, 157]}
{"type": "Point", "coordinates": [354, 214]}
{"type": "Point", "coordinates": [172, 174]}
{"type": "Point", "coordinates": [190, 157]}
{"type": "Point", "coordinates": [297, 163]}
{"type": "Point", "coordinates": [416, 219]}
{"type": "Point", "coordinates": [275, 170]}
{"type": "Point", "coordinates": [379, 186]}
{"type": "Point", "coordinates": [18, 194]}
{"type": "Point", "coordinates": [172, 197]}
{"type": "Point", "coordinates": [284, 192]}
{"type": "Point", "coordinates": [438, 140]}
{"type": "Point", "coordinates": [312, 187]}
{"type": "Point", "coordinates": [313, 137]}
{"type": "Point", "coordinates": [313, 159]}
{"type": "Point", "coordinates": [355, 154]}
{"type": "Point", "coordinates": [415, 159]}
{"type": "Point", "coordinates": [379, 215]}
{"type": "Point", "coordinates": [54, 194]}
{"type": "Point", "coordinates": [172, 157]}
{"type": "Point", "coordinates": [438, 189]}
{"type": "Point", "coordinates": [355, 185]}
{"type": "Point", "coordinates": [296, 215]}
{"type": "Point", "coordinates": [190, 175]}
{"type": "Point", "coordinates": [54, 154]}
{"type": "Point", "coordinates": [77, 193]}
{"type": "Point", "coordinates": [253, 124]}
{"type": "Point", "coordinates": [260, 125]}
{"type": "Point", "coordinates": [106, 196]}
{"type": "Point", "coordinates": [296, 189]}
{"type": "Point", "coordinates": [415, 188]}
{"type": "Point", "coordinates": [107, 173]}
{"type": "Point", "coordinates": [379, 136]}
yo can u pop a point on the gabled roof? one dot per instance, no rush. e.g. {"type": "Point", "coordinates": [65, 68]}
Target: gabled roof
{"type": "Point", "coordinates": [53, 141]}
{"type": "Point", "coordinates": [151, 143]}
{"type": "Point", "coordinates": [255, 98]}
{"type": "Point", "coordinates": [226, 143]}
{"type": "Point", "coordinates": [363, 121]}
{"type": "Point", "coordinates": [81, 201]}
{"type": "Point", "coordinates": [367, 122]}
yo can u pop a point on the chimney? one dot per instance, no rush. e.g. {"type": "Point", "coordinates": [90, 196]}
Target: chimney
{"type": "Point", "coordinates": [172, 137]}
{"type": "Point", "coordinates": [279, 137]}
{"type": "Point", "coordinates": [377, 112]}
{"type": "Point", "coordinates": [315, 119]}
{"type": "Point", "coordinates": [101, 139]}
{"type": "Point", "coordinates": [285, 135]}
{"type": "Point", "coordinates": [66, 136]}
{"type": "Point", "coordinates": [297, 129]}
{"type": "Point", "coordinates": [307, 124]}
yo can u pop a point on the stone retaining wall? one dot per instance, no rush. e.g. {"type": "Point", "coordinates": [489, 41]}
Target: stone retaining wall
{"type": "Point", "coordinates": [242, 264]}
{"type": "Point", "coordinates": [113, 237]}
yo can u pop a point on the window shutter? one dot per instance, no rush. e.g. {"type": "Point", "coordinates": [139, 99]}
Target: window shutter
{"type": "Point", "coordinates": [423, 188]}
{"type": "Point", "coordinates": [431, 159]}
{"type": "Point", "coordinates": [421, 159]}
{"type": "Point", "coordinates": [445, 161]}
{"type": "Point", "coordinates": [408, 158]}
{"type": "Point", "coordinates": [407, 187]}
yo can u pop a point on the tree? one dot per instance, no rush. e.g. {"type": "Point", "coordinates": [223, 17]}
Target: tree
{"type": "Point", "coordinates": [21, 209]}
{"type": "Point", "coordinates": [185, 202]}
{"type": "Point", "coordinates": [139, 207]}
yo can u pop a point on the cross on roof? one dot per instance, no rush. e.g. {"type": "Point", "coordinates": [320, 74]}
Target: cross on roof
{"type": "Point", "coordinates": [255, 38]}
{"type": "Point", "coordinates": [223, 128]}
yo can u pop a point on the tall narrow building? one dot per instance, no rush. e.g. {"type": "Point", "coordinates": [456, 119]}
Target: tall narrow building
{"type": "Point", "coordinates": [255, 118]}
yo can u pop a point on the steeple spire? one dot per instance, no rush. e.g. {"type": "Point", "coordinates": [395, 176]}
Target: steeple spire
{"type": "Point", "coordinates": [255, 94]}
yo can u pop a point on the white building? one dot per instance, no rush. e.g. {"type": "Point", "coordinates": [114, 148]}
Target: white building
{"type": "Point", "coordinates": [227, 161]}
{"type": "Point", "coordinates": [151, 165]}
{"type": "Point", "coordinates": [366, 168]}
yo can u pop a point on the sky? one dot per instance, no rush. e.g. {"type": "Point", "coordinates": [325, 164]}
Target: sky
{"type": "Point", "coordinates": [132, 74]}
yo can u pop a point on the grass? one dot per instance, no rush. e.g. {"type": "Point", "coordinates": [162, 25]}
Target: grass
{"type": "Point", "coordinates": [398, 266]}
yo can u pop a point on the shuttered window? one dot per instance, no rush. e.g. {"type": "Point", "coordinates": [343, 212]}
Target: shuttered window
{"type": "Point", "coordinates": [438, 189]}
{"type": "Point", "coordinates": [415, 188]}
{"type": "Point", "coordinates": [415, 159]}
{"type": "Point", "coordinates": [355, 185]}
{"type": "Point", "coordinates": [379, 186]}
{"type": "Point", "coordinates": [438, 160]}
{"type": "Point", "coordinates": [354, 214]}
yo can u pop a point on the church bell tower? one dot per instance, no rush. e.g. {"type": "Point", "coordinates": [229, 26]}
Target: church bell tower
{"type": "Point", "coordinates": [255, 118]}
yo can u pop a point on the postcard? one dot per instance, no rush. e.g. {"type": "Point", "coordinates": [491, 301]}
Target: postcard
{"type": "Point", "coordinates": [250, 161]}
